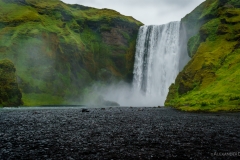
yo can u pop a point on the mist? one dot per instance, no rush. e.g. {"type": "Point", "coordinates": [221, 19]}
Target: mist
{"type": "Point", "coordinates": [122, 93]}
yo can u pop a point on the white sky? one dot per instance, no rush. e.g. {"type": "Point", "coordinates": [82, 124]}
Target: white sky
{"type": "Point", "coordinates": [146, 11]}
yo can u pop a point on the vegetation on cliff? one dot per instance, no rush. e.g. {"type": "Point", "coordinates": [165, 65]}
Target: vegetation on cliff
{"type": "Point", "coordinates": [211, 80]}
{"type": "Point", "coordinates": [60, 49]}
{"type": "Point", "coordinates": [10, 94]}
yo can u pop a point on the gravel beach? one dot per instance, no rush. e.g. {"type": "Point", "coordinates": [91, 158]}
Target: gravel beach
{"type": "Point", "coordinates": [117, 133]}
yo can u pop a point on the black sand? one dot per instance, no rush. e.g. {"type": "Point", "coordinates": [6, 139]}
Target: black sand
{"type": "Point", "coordinates": [118, 133]}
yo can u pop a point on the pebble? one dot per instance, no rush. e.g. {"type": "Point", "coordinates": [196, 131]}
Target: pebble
{"type": "Point", "coordinates": [117, 133]}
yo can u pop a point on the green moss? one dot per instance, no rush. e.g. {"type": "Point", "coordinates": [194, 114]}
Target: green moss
{"type": "Point", "coordinates": [210, 9]}
{"type": "Point", "coordinates": [125, 35]}
{"type": "Point", "coordinates": [214, 108]}
{"type": "Point", "coordinates": [210, 81]}
{"type": "Point", "coordinates": [193, 45]}
{"type": "Point", "coordinates": [105, 28]}
{"type": "Point", "coordinates": [60, 49]}
{"type": "Point", "coordinates": [10, 94]}
{"type": "Point", "coordinates": [34, 99]}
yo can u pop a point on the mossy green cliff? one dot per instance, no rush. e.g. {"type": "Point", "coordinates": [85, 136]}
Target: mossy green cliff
{"type": "Point", "coordinates": [10, 94]}
{"type": "Point", "coordinates": [60, 49]}
{"type": "Point", "coordinates": [211, 80]}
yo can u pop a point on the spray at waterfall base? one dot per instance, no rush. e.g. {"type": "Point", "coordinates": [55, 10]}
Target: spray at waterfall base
{"type": "Point", "coordinates": [155, 69]}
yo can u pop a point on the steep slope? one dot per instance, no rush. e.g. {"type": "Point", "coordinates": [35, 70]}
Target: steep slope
{"type": "Point", "coordinates": [211, 80]}
{"type": "Point", "coordinates": [10, 94]}
{"type": "Point", "coordinates": [59, 49]}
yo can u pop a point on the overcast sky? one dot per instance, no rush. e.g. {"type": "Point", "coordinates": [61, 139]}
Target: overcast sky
{"type": "Point", "coordinates": [146, 11]}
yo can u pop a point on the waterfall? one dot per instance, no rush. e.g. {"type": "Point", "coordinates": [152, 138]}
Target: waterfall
{"type": "Point", "coordinates": [156, 61]}
{"type": "Point", "coordinates": [155, 69]}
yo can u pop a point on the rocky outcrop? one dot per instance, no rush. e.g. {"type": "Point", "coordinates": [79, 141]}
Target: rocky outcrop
{"type": "Point", "coordinates": [10, 94]}
{"type": "Point", "coordinates": [210, 81]}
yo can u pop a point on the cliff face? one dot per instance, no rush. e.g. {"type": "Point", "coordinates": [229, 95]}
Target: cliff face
{"type": "Point", "coordinates": [59, 49]}
{"type": "Point", "coordinates": [210, 81]}
{"type": "Point", "coordinates": [10, 94]}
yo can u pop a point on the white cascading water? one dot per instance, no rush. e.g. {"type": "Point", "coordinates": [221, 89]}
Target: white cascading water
{"type": "Point", "coordinates": [155, 69]}
{"type": "Point", "coordinates": [156, 60]}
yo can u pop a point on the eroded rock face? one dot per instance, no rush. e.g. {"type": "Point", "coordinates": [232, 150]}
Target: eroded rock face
{"type": "Point", "coordinates": [119, 34]}
{"type": "Point", "coordinates": [10, 94]}
{"type": "Point", "coordinates": [114, 37]}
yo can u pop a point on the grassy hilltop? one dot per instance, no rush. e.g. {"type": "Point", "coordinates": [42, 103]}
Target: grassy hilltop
{"type": "Point", "coordinates": [59, 49]}
{"type": "Point", "coordinates": [211, 80]}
